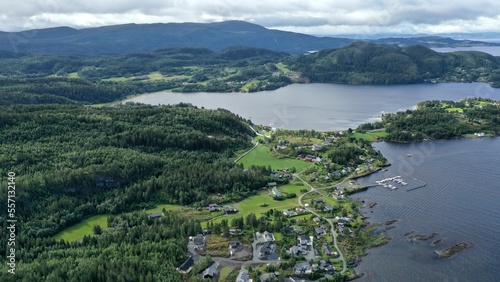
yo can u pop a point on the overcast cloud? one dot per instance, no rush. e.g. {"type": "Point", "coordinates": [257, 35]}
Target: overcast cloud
{"type": "Point", "coordinates": [320, 17]}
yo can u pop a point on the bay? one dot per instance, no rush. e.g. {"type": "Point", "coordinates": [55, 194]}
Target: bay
{"type": "Point", "coordinates": [460, 201]}
{"type": "Point", "coordinates": [323, 106]}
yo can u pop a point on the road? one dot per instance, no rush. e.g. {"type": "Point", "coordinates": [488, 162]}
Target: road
{"type": "Point", "coordinates": [260, 134]}
{"type": "Point", "coordinates": [244, 154]}
{"type": "Point", "coordinates": [332, 230]}
{"type": "Point", "coordinates": [254, 146]}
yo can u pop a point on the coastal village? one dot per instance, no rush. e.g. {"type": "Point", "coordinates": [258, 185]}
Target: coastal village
{"type": "Point", "coordinates": [301, 227]}
{"type": "Point", "coordinates": [300, 224]}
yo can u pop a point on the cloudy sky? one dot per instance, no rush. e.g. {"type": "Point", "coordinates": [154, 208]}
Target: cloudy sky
{"type": "Point", "coordinates": [318, 17]}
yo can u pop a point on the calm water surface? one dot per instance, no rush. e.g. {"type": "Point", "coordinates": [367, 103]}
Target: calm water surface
{"type": "Point", "coordinates": [492, 50]}
{"type": "Point", "coordinates": [460, 201]}
{"type": "Point", "coordinates": [323, 106]}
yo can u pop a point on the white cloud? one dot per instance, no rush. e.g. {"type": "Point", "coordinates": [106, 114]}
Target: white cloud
{"type": "Point", "coordinates": [314, 17]}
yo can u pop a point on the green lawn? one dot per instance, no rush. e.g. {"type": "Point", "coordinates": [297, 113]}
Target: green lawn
{"type": "Point", "coordinates": [225, 273]}
{"type": "Point", "coordinates": [254, 204]}
{"type": "Point", "coordinates": [73, 75]}
{"type": "Point", "coordinates": [294, 187]}
{"type": "Point", "coordinates": [102, 105]}
{"type": "Point", "coordinates": [260, 156]}
{"type": "Point", "coordinates": [83, 228]}
{"type": "Point", "coordinates": [282, 68]}
{"type": "Point", "coordinates": [298, 140]}
{"type": "Point", "coordinates": [455, 110]}
{"type": "Point", "coordinates": [167, 207]}
{"type": "Point", "coordinates": [371, 136]}
{"type": "Point", "coordinates": [156, 76]}
{"type": "Point", "coordinates": [248, 85]}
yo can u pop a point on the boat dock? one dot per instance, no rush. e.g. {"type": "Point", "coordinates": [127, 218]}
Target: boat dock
{"type": "Point", "coordinates": [396, 182]}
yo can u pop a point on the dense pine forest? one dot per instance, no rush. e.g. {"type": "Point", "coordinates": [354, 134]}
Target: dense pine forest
{"type": "Point", "coordinates": [74, 161]}
{"type": "Point", "coordinates": [368, 63]}
{"type": "Point", "coordinates": [441, 120]}
{"type": "Point", "coordinates": [38, 79]}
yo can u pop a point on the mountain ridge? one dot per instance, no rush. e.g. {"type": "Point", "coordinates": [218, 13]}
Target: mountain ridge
{"type": "Point", "coordinates": [127, 38]}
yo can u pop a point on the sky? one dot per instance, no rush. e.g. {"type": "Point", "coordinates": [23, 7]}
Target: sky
{"type": "Point", "coordinates": [316, 17]}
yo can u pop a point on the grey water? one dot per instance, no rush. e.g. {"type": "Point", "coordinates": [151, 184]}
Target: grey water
{"type": "Point", "coordinates": [323, 106]}
{"type": "Point", "coordinates": [460, 201]}
{"type": "Point", "coordinates": [492, 50]}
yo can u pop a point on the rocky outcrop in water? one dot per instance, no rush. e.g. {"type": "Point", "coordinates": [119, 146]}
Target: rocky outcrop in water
{"type": "Point", "coordinates": [453, 250]}
{"type": "Point", "coordinates": [420, 237]}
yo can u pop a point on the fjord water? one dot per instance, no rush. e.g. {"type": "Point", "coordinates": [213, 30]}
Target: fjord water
{"type": "Point", "coordinates": [323, 106]}
{"type": "Point", "coordinates": [460, 201]}
{"type": "Point", "coordinates": [492, 50]}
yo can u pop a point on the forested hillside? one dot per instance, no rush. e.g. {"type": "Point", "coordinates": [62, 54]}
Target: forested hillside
{"type": "Point", "coordinates": [367, 63]}
{"type": "Point", "coordinates": [37, 79]}
{"type": "Point", "coordinates": [441, 120]}
{"type": "Point", "coordinates": [73, 161]}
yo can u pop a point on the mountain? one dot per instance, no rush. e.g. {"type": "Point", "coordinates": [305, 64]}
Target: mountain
{"type": "Point", "coordinates": [148, 37]}
{"type": "Point", "coordinates": [127, 38]}
{"type": "Point", "coordinates": [370, 63]}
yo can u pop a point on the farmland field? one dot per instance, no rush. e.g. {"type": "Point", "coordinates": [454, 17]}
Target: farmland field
{"type": "Point", "coordinates": [260, 156]}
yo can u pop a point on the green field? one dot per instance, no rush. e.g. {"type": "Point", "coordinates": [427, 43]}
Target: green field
{"type": "Point", "coordinates": [248, 85]}
{"type": "Point", "coordinates": [455, 110]}
{"type": "Point", "coordinates": [255, 204]}
{"type": "Point", "coordinates": [224, 273]}
{"type": "Point", "coordinates": [282, 67]}
{"type": "Point", "coordinates": [102, 105]}
{"type": "Point", "coordinates": [156, 76]}
{"type": "Point", "coordinates": [151, 76]}
{"type": "Point", "coordinates": [73, 75]}
{"type": "Point", "coordinates": [260, 156]}
{"type": "Point", "coordinates": [167, 207]}
{"type": "Point", "coordinates": [371, 136]}
{"type": "Point", "coordinates": [83, 228]}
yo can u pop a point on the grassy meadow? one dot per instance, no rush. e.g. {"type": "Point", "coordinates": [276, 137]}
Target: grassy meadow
{"type": "Point", "coordinates": [79, 230]}
{"type": "Point", "coordinates": [261, 203]}
{"type": "Point", "coordinates": [261, 156]}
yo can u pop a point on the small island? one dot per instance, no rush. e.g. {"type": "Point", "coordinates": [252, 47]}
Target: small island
{"type": "Point", "coordinates": [437, 242]}
{"type": "Point", "coordinates": [422, 237]}
{"type": "Point", "coordinates": [453, 250]}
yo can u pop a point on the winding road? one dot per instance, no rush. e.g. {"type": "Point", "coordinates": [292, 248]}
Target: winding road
{"type": "Point", "coordinates": [254, 259]}
{"type": "Point", "coordinates": [332, 230]}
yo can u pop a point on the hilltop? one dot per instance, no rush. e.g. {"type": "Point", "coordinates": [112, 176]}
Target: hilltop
{"type": "Point", "coordinates": [369, 63]}
{"type": "Point", "coordinates": [127, 38]}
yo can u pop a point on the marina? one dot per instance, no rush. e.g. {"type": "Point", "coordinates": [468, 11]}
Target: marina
{"type": "Point", "coordinates": [395, 182]}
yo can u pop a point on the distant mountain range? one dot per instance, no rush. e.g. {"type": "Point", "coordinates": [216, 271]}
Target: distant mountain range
{"type": "Point", "coordinates": [128, 38]}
